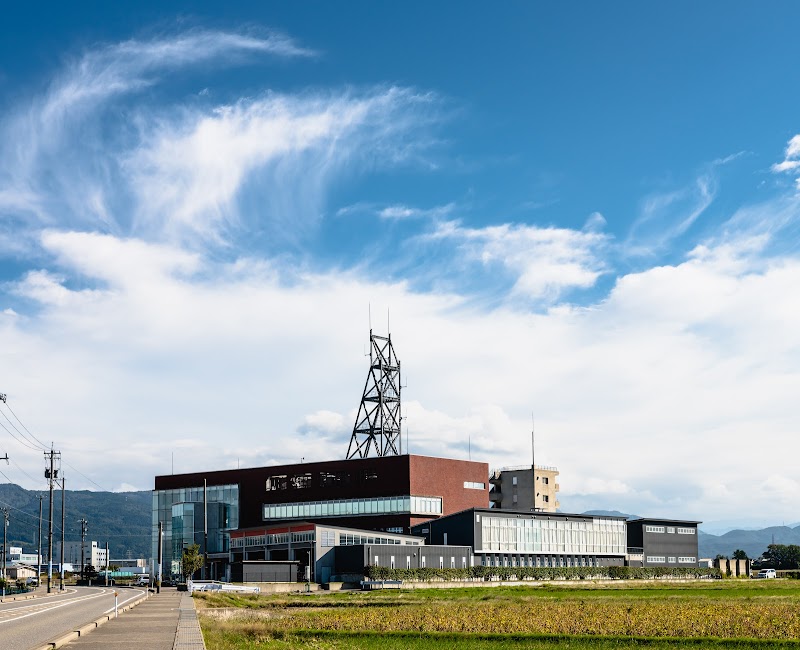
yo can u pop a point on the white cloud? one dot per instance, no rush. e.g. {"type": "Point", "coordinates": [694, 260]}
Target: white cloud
{"type": "Point", "coordinates": [681, 366]}
{"type": "Point", "coordinates": [791, 160]}
{"type": "Point", "coordinates": [545, 261]}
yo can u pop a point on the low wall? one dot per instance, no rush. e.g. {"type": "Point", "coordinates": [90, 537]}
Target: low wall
{"type": "Point", "coordinates": [283, 587]}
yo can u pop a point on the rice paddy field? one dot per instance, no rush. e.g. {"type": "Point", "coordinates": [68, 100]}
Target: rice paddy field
{"type": "Point", "coordinates": [696, 614]}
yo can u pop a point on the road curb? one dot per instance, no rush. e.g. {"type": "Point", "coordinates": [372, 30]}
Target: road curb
{"type": "Point", "coordinates": [87, 628]}
{"type": "Point", "coordinates": [11, 599]}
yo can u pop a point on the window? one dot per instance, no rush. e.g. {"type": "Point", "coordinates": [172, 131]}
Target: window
{"type": "Point", "coordinates": [452, 563]}
{"type": "Point", "coordinates": [686, 531]}
{"type": "Point", "coordinates": [656, 559]}
{"type": "Point", "coordinates": [328, 538]}
{"type": "Point", "coordinates": [545, 480]}
{"type": "Point", "coordinates": [422, 559]}
{"type": "Point", "coordinates": [670, 529]}
{"type": "Point", "coordinates": [472, 485]}
{"type": "Point", "coordinates": [513, 480]}
{"type": "Point", "coordinates": [687, 560]}
{"type": "Point", "coordinates": [339, 507]}
{"type": "Point", "coordinates": [391, 562]}
{"type": "Point", "coordinates": [513, 498]}
{"type": "Point", "coordinates": [546, 498]}
{"type": "Point", "coordinates": [441, 562]}
{"type": "Point", "coordinates": [671, 560]}
{"type": "Point", "coordinates": [654, 529]}
{"type": "Point", "coordinates": [408, 561]}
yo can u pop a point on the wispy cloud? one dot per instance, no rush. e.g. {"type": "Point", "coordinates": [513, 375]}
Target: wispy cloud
{"type": "Point", "coordinates": [77, 156]}
{"type": "Point", "coordinates": [791, 160]}
{"type": "Point", "coordinates": [189, 171]}
{"type": "Point", "coordinates": [398, 211]}
{"type": "Point", "coordinates": [665, 216]}
{"type": "Point", "coordinates": [58, 163]}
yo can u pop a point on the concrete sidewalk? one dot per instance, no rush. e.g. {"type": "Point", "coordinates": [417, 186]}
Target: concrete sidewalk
{"type": "Point", "coordinates": [165, 621]}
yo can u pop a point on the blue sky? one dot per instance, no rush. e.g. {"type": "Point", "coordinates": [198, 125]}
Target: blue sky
{"type": "Point", "coordinates": [586, 211]}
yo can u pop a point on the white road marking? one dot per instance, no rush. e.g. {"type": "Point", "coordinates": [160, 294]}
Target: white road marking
{"type": "Point", "coordinates": [50, 607]}
{"type": "Point", "coordinates": [120, 604]}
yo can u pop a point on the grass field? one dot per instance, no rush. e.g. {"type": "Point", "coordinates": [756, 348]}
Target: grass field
{"type": "Point", "coordinates": [700, 614]}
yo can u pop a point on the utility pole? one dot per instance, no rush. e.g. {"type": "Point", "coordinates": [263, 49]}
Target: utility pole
{"type": "Point", "coordinates": [39, 552]}
{"type": "Point", "coordinates": [5, 526]}
{"type": "Point", "coordinates": [51, 475]}
{"type": "Point", "coordinates": [160, 557]}
{"type": "Point", "coordinates": [205, 530]}
{"type": "Point", "coordinates": [63, 529]}
{"type": "Point", "coordinates": [533, 459]}
{"type": "Point", "coordinates": [84, 528]}
{"type": "Point", "coordinates": [107, 563]}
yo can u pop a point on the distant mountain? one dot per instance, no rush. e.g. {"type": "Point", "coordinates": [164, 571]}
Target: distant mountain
{"type": "Point", "coordinates": [123, 519]}
{"type": "Point", "coordinates": [610, 513]}
{"type": "Point", "coordinates": [752, 542]}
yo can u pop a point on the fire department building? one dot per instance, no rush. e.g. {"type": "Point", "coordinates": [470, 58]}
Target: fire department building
{"type": "Point", "coordinates": [385, 494]}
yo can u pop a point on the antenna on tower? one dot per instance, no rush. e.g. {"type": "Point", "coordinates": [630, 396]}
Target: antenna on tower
{"type": "Point", "coordinates": [377, 426]}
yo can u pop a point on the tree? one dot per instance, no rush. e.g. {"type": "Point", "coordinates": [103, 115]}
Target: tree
{"type": "Point", "coordinates": [89, 572]}
{"type": "Point", "coordinates": [739, 554]}
{"type": "Point", "coordinates": [782, 556]}
{"type": "Point", "coordinates": [191, 561]}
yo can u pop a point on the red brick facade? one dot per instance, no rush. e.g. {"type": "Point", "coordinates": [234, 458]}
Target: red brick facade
{"type": "Point", "coordinates": [349, 479]}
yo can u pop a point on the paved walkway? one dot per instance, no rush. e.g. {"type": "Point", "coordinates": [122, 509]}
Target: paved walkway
{"type": "Point", "coordinates": [165, 621]}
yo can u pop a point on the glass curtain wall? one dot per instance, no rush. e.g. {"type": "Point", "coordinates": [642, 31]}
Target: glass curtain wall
{"type": "Point", "coordinates": [554, 536]}
{"type": "Point", "coordinates": [181, 515]}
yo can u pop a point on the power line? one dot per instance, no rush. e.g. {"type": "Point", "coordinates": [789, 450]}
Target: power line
{"type": "Point", "coordinates": [84, 476]}
{"type": "Point", "coordinates": [23, 471]}
{"type": "Point", "coordinates": [23, 426]}
{"type": "Point", "coordinates": [34, 441]}
{"type": "Point", "coordinates": [21, 441]}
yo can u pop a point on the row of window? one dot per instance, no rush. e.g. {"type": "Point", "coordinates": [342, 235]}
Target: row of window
{"type": "Point", "coordinates": [669, 529]}
{"type": "Point", "coordinates": [527, 535]}
{"type": "Point", "coordinates": [301, 481]}
{"type": "Point", "coordinates": [272, 539]}
{"type": "Point", "coordinates": [537, 561]}
{"type": "Point", "coordinates": [661, 559]}
{"type": "Point", "coordinates": [422, 562]}
{"type": "Point", "coordinates": [472, 485]}
{"type": "Point", "coordinates": [344, 507]}
{"type": "Point", "coordinates": [353, 539]}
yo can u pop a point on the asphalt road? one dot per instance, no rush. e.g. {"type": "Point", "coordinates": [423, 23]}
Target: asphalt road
{"type": "Point", "coordinates": [26, 624]}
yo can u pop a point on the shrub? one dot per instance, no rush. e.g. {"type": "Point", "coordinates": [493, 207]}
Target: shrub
{"type": "Point", "coordinates": [429, 574]}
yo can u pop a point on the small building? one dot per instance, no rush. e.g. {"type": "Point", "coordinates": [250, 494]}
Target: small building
{"type": "Point", "coordinates": [533, 539]}
{"type": "Point", "coordinates": [314, 544]}
{"type": "Point", "coordinates": [662, 542]}
{"type": "Point", "coordinates": [93, 553]}
{"type": "Point", "coordinates": [522, 488]}
{"type": "Point", "coordinates": [16, 555]}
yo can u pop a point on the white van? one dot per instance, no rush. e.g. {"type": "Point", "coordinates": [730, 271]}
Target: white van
{"type": "Point", "coordinates": [142, 581]}
{"type": "Point", "coordinates": [767, 573]}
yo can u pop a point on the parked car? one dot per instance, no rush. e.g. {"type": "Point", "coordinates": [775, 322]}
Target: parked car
{"type": "Point", "coordinates": [767, 573]}
{"type": "Point", "coordinates": [32, 582]}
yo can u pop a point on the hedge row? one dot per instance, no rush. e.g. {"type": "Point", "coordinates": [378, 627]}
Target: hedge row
{"type": "Point", "coordinates": [427, 574]}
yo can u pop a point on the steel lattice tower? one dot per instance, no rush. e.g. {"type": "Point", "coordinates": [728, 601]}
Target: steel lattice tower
{"type": "Point", "coordinates": [377, 424]}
